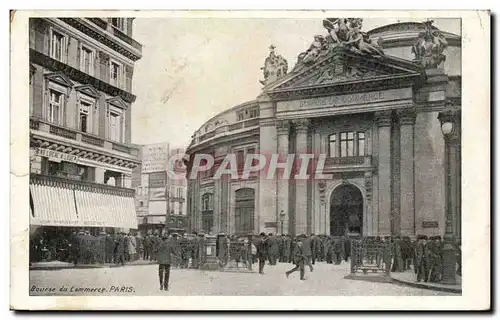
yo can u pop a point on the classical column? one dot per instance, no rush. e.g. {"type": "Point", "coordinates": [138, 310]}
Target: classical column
{"type": "Point", "coordinates": [384, 120]}
{"type": "Point", "coordinates": [407, 171]}
{"type": "Point", "coordinates": [301, 129]}
{"type": "Point", "coordinates": [283, 128]}
{"type": "Point", "coordinates": [450, 120]}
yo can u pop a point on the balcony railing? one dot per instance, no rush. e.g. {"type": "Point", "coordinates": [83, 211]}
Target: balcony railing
{"type": "Point", "coordinates": [339, 161]}
{"type": "Point", "coordinates": [70, 133]}
{"type": "Point", "coordinates": [87, 138]}
{"type": "Point", "coordinates": [34, 124]}
{"type": "Point", "coordinates": [80, 185]}
{"type": "Point", "coordinates": [62, 132]}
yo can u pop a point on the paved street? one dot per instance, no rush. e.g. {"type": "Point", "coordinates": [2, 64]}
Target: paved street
{"type": "Point", "coordinates": [143, 280]}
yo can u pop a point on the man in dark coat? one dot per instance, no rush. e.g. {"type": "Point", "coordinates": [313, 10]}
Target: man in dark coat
{"type": "Point", "coordinates": [299, 258]}
{"type": "Point", "coordinates": [202, 254]}
{"type": "Point", "coordinates": [185, 251]}
{"type": "Point", "coordinates": [110, 248]}
{"type": "Point", "coordinates": [120, 249]}
{"type": "Point", "coordinates": [347, 247]}
{"type": "Point", "coordinates": [288, 249]}
{"type": "Point", "coordinates": [164, 256]}
{"type": "Point", "coordinates": [315, 248]}
{"type": "Point", "coordinates": [101, 254]}
{"type": "Point", "coordinates": [307, 249]}
{"type": "Point", "coordinates": [338, 250]}
{"type": "Point", "coordinates": [261, 245]}
{"type": "Point", "coordinates": [420, 264]}
{"type": "Point", "coordinates": [273, 249]}
{"type": "Point", "coordinates": [154, 242]}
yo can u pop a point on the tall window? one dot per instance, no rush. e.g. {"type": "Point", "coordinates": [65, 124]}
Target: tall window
{"type": "Point", "coordinates": [55, 106]}
{"type": "Point", "coordinates": [87, 60]}
{"type": "Point", "coordinates": [57, 46]}
{"type": "Point", "coordinates": [206, 202]}
{"type": "Point", "coordinates": [254, 113]}
{"type": "Point", "coordinates": [84, 116]}
{"type": "Point", "coordinates": [361, 143]}
{"type": "Point", "coordinates": [240, 116]}
{"type": "Point", "coordinates": [115, 126]}
{"type": "Point", "coordinates": [115, 74]}
{"type": "Point", "coordinates": [333, 145]}
{"type": "Point", "coordinates": [346, 144]}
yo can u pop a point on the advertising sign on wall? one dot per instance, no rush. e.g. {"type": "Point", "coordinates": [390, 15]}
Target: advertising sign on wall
{"type": "Point", "coordinates": [154, 158]}
{"type": "Point", "coordinates": [157, 179]}
{"type": "Point", "coordinates": [157, 194]}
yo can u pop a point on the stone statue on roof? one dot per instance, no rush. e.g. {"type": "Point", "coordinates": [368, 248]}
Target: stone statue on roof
{"type": "Point", "coordinates": [342, 32]}
{"type": "Point", "coordinates": [275, 67]}
{"type": "Point", "coordinates": [429, 47]}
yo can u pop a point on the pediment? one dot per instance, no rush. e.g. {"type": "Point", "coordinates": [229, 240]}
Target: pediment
{"type": "Point", "coordinates": [88, 90]}
{"type": "Point", "coordinates": [344, 67]}
{"type": "Point", "coordinates": [60, 78]}
{"type": "Point", "coordinates": [118, 102]}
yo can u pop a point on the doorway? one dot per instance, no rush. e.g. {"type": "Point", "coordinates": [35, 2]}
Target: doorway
{"type": "Point", "coordinates": [346, 210]}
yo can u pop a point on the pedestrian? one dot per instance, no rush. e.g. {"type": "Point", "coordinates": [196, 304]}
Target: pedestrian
{"type": "Point", "coordinates": [299, 258]}
{"type": "Point", "coordinates": [288, 249]}
{"type": "Point", "coordinates": [338, 250]}
{"type": "Point", "coordinates": [164, 253]}
{"type": "Point", "coordinates": [185, 248]}
{"type": "Point", "coordinates": [379, 254]}
{"type": "Point", "coordinates": [307, 248]}
{"type": "Point", "coordinates": [101, 254]}
{"type": "Point", "coordinates": [120, 249]}
{"type": "Point", "coordinates": [273, 249]}
{"type": "Point", "coordinates": [420, 264]}
{"type": "Point", "coordinates": [387, 254]}
{"type": "Point", "coordinates": [132, 247]}
{"type": "Point", "coordinates": [110, 248]}
{"type": "Point", "coordinates": [261, 245]}
{"type": "Point", "coordinates": [202, 254]}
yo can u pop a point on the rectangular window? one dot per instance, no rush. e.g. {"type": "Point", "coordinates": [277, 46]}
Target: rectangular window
{"type": "Point", "coordinates": [115, 74]}
{"type": "Point", "coordinates": [254, 113]}
{"type": "Point", "coordinates": [57, 46]}
{"type": "Point", "coordinates": [55, 106]}
{"type": "Point", "coordinates": [114, 127]}
{"type": "Point", "coordinates": [361, 143]}
{"type": "Point", "coordinates": [87, 61]}
{"type": "Point", "coordinates": [333, 146]}
{"type": "Point", "coordinates": [347, 144]}
{"type": "Point", "coordinates": [240, 116]}
{"type": "Point", "coordinates": [240, 159]}
{"type": "Point", "coordinates": [84, 116]}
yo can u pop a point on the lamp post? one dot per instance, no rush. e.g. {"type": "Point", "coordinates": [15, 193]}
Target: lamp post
{"type": "Point", "coordinates": [282, 220]}
{"type": "Point", "coordinates": [450, 119]}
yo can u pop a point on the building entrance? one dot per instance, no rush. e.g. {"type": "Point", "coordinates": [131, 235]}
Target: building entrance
{"type": "Point", "coordinates": [346, 210]}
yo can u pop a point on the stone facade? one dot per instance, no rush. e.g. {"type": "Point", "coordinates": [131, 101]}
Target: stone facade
{"type": "Point", "coordinates": [382, 123]}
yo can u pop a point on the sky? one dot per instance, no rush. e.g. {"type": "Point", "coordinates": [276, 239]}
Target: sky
{"type": "Point", "coordinates": [195, 68]}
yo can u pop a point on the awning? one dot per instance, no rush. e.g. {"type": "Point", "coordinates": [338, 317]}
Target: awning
{"type": "Point", "coordinates": [59, 206]}
{"type": "Point", "coordinates": [53, 206]}
{"type": "Point", "coordinates": [105, 210]}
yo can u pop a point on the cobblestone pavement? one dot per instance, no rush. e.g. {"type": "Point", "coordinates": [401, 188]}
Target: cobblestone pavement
{"type": "Point", "coordinates": [326, 280]}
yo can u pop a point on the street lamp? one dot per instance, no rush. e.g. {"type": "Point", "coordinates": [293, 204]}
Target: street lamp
{"type": "Point", "coordinates": [450, 119]}
{"type": "Point", "coordinates": [282, 220]}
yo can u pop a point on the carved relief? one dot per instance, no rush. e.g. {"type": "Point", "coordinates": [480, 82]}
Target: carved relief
{"type": "Point", "coordinates": [283, 126]}
{"type": "Point", "coordinates": [322, 189]}
{"type": "Point", "coordinates": [301, 124]}
{"type": "Point", "coordinates": [275, 67]}
{"type": "Point", "coordinates": [428, 49]}
{"type": "Point", "coordinates": [407, 116]}
{"type": "Point", "coordinates": [368, 185]}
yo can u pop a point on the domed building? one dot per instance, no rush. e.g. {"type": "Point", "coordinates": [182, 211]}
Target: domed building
{"type": "Point", "coordinates": [373, 109]}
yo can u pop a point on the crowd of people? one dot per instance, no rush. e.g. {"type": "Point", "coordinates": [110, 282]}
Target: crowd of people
{"type": "Point", "coordinates": [392, 254]}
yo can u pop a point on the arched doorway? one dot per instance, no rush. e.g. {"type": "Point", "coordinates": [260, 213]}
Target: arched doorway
{"type": "Point", "coordinates": [346, 210]}
{"type": "Point", "coordinates": [244, 211]}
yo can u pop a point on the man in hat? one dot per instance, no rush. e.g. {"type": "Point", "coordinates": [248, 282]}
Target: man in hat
{"type": "Point", "coordinates": [338, 250]}
{"type": "Point", "coordinates": [120, 249]}
{"type": "Point", "coordinates": [185, 251]}
{"type": "Point", "coordinates": [261, 245]}
{"type": "Point", "coordinates": [101, 254]}
{"type": "Point", "coordinates": [421, 268]}
{"type": "Point", "coordinates": [273, 249]}
{"type": "Point", "coordinates": [307, 249]}
{"type": "Point", "coordinates": [398, 258]}
{"type": "Point", "coordinates": [387, 254]}
{"type": "Point", "coordinates": [164, 256]}
{"type": "Point", "coordinates": [299, 258]}
{"type": "Point", "coordinates": [202, 254]}
{"type": "Point", "coordinates": [110, 249]}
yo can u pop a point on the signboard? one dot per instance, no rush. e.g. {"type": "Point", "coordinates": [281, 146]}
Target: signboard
{"type": "Point", "coordinates": [344, 100]}
{"type": "Point", "coordinates": [157, 179]}
{"type": "Point", "coordinates": [430, 224]}
{"type": "Point", "coordinates": [154, 158]}
{"type": "Point", "coordinates": [271, 224]}
{"type": "Point", "coordinates": [56, 156]}
{"type": "Point", "coordinates": [157, 194]}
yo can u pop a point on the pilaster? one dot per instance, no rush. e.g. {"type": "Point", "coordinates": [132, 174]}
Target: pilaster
{"type": "Point", "coordinates": [407, 171]}
{"type": "Point", "coordinates": [384, 120]}
{"type": "Point", "coordinates": [301, 131]}
{"type": "Point", "coordinates": [282, 185]}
